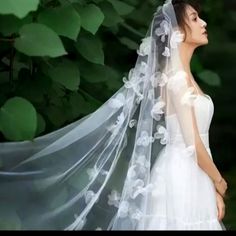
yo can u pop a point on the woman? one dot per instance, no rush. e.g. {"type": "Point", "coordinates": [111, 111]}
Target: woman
{"type": "Point", "coordinates": [141, 161]}
{"type": "Point", "coordinates": [194, 31]}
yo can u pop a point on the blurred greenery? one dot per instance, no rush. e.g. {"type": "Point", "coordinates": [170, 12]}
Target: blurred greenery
{"type": "Point", "coordinates": [62, 59]}
{"type": "Point", "coordinates": [230, 202]}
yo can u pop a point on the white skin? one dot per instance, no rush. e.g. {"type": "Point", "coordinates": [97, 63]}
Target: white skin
{"type": "Point", "coordinates": [196, 36]}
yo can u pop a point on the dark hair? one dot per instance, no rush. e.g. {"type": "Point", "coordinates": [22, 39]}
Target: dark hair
{"type": "Point", "coordinates": [180, 11]}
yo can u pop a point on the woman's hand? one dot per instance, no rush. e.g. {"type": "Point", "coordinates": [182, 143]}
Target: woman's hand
{"type": "Point", "coordinates": [221, 186]}
{"type": "Point", "coordinates": [220, 206]}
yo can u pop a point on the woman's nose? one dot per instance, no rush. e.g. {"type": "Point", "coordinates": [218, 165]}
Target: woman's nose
{"type": "Point", "coordinates": [204, 24]}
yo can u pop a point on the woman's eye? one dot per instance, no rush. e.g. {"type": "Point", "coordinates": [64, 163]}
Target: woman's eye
{"type": "Point", "coordinates": [195, 19]}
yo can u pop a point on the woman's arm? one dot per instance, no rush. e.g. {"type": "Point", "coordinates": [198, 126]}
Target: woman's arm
{"type": "Point", "coordinates": [207, 164]}
{"type": "Point", "coordinates": [220, 206]}
{"type": "Point", "coordinates": [179, 90]}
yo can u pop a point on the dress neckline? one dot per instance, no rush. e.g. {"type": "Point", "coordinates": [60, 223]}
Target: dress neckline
{"type": "Point", "coordinates": [200, 94]}
{"type": "Point", "coordinates": [204, 95]}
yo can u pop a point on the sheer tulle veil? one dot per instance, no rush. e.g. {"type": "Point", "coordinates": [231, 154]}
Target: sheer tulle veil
{"type": "Point", "coordinates": [95, 173]}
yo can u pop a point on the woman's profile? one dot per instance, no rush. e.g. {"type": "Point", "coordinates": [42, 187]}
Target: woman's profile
{"type": "Point", "coordinates": [142, 161]}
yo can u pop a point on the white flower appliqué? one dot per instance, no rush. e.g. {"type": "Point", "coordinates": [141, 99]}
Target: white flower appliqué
{"type": "Point", "coordinates": [115, 127]}
{"type": "Point", "coordinates": [104, 172]}
{"type": "Point", "coordinates": [139, 98]}
{"type": "Point", "coordinates": [161, 134]}
{"type": "Point", "coordinates": [166, 53]}
{"type": "Point", "coordinates": [114, 198]}
{"type": "Point", "coordinates": [133, 82]}
{"type": "Point", "coordinates": [143, 68]}
{"type": "Point", "coordinates": [118, 101]}
{"type": "Point", "coordinates": [144, 139]}
{"type": "Point", "coordinates": [163, 30]}
{"type": "Point", "coordinates": [138, 187]}
{"type": "Point", "coordinates": [129, 210]}
{"type": "Point", "coordinates": [145, 46]}
{"type": "Point", "coordinates": [132, 172]}
{"type": "Point", "coordinates": [89, 196]}
{"type": "Point", "coordinates": [177, 82]}
{"type": "Point", "coordinates": [123, 209]}
{"type": "Point", "coordinates": [176, 38]}
{"type": "Point", "coordinates": [188, 97]}
{"type": "Point", "coordinates": [159, 79]}
{"type": "Point", "coordinates": [120, 119]}
{"type": "Point", "coordinates": [157, 110]}
{"type": "Point", "coordinates": [132, 123]}
{"type": "Point", "coordinates": [92, 172]}
{"type": "Point", "coordinates": [142, 161]}
{"type": "Point", "coordinates": [136, 214]}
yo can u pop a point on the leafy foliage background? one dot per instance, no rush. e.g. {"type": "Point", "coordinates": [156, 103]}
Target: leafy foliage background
{"type": "Point", "coordinates": [61, 59]}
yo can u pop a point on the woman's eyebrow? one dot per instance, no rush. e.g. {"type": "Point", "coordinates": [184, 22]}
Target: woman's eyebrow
{"type": "Point", "coordinates": [193, 13]}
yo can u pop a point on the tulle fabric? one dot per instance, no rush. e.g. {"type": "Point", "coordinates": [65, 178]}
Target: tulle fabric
{"type": "Point", "coordinates": [98, 173]}
{"type": "Point", "coordinates": [183, 197]}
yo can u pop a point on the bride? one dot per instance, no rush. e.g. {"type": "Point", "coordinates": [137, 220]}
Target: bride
{"type": "Point", "coordinates": [142, 161]}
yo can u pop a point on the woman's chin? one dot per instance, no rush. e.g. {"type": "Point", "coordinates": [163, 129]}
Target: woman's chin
{"type": "Point", "coordinates": [201, 42]}
{"type": "Point", "coordinates": [204, 42]}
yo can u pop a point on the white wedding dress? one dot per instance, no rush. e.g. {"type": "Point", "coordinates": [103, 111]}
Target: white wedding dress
{"type": "Point", "coordinates": [184, 196]}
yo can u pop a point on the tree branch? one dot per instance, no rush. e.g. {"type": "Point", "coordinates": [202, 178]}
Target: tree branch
{"type": "Point", "coordinates": [132, 30]}
{"type": "Point", "coordinates": [7, 40]}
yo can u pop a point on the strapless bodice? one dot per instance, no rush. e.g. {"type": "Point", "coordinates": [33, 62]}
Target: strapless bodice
{"type": "Point", "coordinates": [204, 110]}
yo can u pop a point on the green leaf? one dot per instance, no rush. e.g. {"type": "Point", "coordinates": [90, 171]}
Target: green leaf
{"type": "Point", "coordinates": [9, 220]}
{"type": "Point", "coordinates": [91, 17]}
{"type": "Point", "coordinates": [72, 106]}
{"type": "Point", "coordinates": [19, 8]}
{"type": "Point", "coordinates": [142, 15]}
{"type": "Point", "coordinates": [90, 47]}
{"type": "Point", "coordinates": [66, 74]}
{"type": "Point", "coordinates": [77, 104]}
{"type": "Point", "coordinates": [121, 7]}
{"type": "Point", "coordinates": [113, 83]}
{"type": "Point", "coordinates": [3, 96]}
{"type": "Point", "coordinates": [64, 21]}
{"type": "Point", "coordinates": [34, 89]}
{"type": "Point", "coordinates": [39, 40]}
{"type": "Point", "coordinates": [129, 43]}
{"type": "Point", "coordinates": [136, 2]}
{"type": "Point", "coordinates": [95, 73]}
{"type": "Point", "coordinates": [210, 77]}
{"type": "Point", "coordinates": [19, 119]}
{"type": "Point", "coordinates": [111, 16]}
{"type": "Point", "coordinates": [56, 115]}
{"type": "Point", "coordinates": [57, 89]}
{"type": "Point", "coordinates": [63, 2]}
{"type": "Point", "coordinates": [41, 124]}
{"type": "Point", "coordinates": [97, 1]}
{"type": "Point", "coordinates": [10, 24]}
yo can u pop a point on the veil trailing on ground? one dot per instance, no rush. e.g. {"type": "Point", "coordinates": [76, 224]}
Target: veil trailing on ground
{"type": "Point", "coordinates": [95, 173]}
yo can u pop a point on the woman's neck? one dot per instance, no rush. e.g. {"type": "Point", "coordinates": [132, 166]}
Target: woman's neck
{"type": "Point", "coordinates": [186, 53]}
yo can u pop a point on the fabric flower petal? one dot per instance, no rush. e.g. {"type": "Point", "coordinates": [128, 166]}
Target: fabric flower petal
{"type": "Point", "coordinates": [166, 52]}
{"type": "Point", "coordinates": [176, 38]}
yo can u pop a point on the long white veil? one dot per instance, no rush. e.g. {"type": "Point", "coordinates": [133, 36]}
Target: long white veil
{"type": "Point", "coordinates": [95, 172]}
